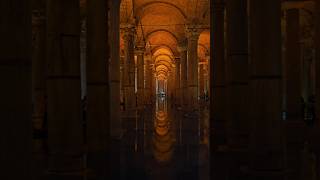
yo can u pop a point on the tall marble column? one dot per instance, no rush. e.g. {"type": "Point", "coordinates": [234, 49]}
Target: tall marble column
{"type": "Point", "coordinates": [217, 91]}
{"type": "Point", "coordinates": [98, 112]}
{"type": "Point", "coordinates": [201, 80]}
{"type": "Point", "coordinates": [129, 69]}
{"type": "Point", "coordinates": [153, 86]}
{"type": "Point", "coordinates": [171, 83]}
{"type": "Point", "coordinates": [38, 67]}
{"type": "Point", "coordinates": [295, 124]}
{"type": "Point", "coordinates": [267, 148]}
{"type": "Point", "coordinates": [177, 83]}
{"type": "Point", "coordinates": [39, 88]}
{"type": "Point", "coordinates": [293, 66]}
{"type": "Point", "coordinates": [65, 131]}
{"type": "Point", "coordinates": [16, 102]}
{"type": "Point", "coordinates": [208, 75]}
{"type": "Point", "coordinates": [148, 77]}
{"type": "Point", "coordinates": [192, 71]}
{"type": "Point", "coordinates": [140, 75]}
{"type": "Point", "coordinates": [114, 70]}
{"type": "Point", "coordinates": [238, 85]}
{"type": "Point", "coordinates": [183, 67]}
{"type": "Point", "coordinates": [316, 129]}
{"type": "Point", "coordinates": [122, 83]}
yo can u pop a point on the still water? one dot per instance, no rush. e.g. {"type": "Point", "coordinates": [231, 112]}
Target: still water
{"type": "Point", "coordinates": [162, 144]}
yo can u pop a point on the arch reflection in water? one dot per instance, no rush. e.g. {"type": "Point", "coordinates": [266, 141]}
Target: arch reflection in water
{"type": "Point", "coordinates": [164, 136]}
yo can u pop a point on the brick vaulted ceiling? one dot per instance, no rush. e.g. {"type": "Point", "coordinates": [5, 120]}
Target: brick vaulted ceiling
{"type": "Point", "coordinates": [161, 24]}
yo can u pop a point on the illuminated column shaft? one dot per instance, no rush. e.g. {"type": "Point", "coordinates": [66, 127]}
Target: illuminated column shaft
{"type": "Point", "coordinates": [177, 83]}
{"type": "Point", "coordinates": [122, 80]}
{"type": "Point", "coordinates": [129, 70]}
{"type": "Point", "coordinates": [265, 88]}
{"type": "Point", "coordinates": [201, 80]}
{"type": "Point", "coordinates": [148, 82]}
{"type": "Point", "coordinates": [183, 82]}
{"type": "Point", "coordinates": [208, 85]}
{"type": "Point", "coordinates": [153, 86]}
{"type": "Point", "coordinates": [65, 131]}
{"type": "Point", "coordinates": [192, 69]}
{"type": "Point", "coordinates": [15, 75]}
{"type": "Point", "coordinates": [140, 76]}
{"type": "Point", "coordinates": [172, 78]}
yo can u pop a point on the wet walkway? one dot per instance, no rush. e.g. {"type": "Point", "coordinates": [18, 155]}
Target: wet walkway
{"type": "Point", "coordinates": [164, 145]}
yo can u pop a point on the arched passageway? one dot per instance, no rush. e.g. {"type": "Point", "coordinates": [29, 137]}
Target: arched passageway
{"type": "Point", "coordinates": [159, 89]}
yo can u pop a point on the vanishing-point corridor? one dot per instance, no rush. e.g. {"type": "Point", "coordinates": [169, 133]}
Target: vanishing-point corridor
{"type": "Point", "coordinates": [160, 89]}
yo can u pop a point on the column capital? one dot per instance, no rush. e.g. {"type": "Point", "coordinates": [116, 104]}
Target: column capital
{"type": "Point", "coordinates": [177, 60]}
{"type": "Point", "coordinates": [127, 30]}
{"type": "Point", "coordinates": [193, 31]}
{"type": "Point", "coordinates": [182, 48]}
{"type": "Point", "coordinates": [139, 50]}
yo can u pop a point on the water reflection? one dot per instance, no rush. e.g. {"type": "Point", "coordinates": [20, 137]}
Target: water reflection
{"type": "Point", "coordinates": [164, 136]}
{"type": "Point", "coordinates": [165, 145]}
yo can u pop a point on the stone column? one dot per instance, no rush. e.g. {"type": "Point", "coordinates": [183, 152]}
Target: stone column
{"type": "Point", "coordinates": [129, 69]}
{"type": "Point", "coordinates": [208, 75]}
{"type": "Point", "coordinates": [315, 134]}
{"type": "Point", "coordinates": [140, 75]}
{"type": "Point", "coordinates": [267, 148]}
{"type": "Point", "coordinates": [39, 149]}
{"type": "Point", "coordinates": [177, 83]}
{"type": "Point", "coordinates": [238, 85]}
{"type": "Point", "coordinates": [192, 71]}
{"type": "Point", "coordinates": [171, 84]}
{"type": "Point", "coordinates": [16, 102]}
{"type": "Point", "coordinates": [293, 66]}
{"type": "Point", "coordinates": [122, 83]}
{"type": "Point", "coordinates": [98, 115]}
{"type": "Point", "coordinates": [201, 80]}
{"type": "Point", "coordinates": [148, 77]}
{"type": "Point", "coordinates": [295, 124]}
{"type": "Point", "coordinates": [183, 82]}
{"type": "Point", "coordinates": [217, 91]}
{"type": "Point", "coordinates": [153, 86]}
{"type": "Point", "coordinates": [65, 131]}
{"type": "Point", "coordinates": [114, 70]}
{"type": "Point", "coordinates": [38, 67]}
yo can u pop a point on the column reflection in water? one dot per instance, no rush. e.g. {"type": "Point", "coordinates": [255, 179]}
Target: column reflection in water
{"type": "Point", "coordinates": [164, 136]}
{"type": "Point", "coordinates": [172, 148]}
{"type": "Point", "coordinates": [161, 148]}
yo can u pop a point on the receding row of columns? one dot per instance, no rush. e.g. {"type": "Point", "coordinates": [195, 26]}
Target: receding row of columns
{"type": "Point", "coordinates": [253, 131]}
{"type": "Point", "coordinates": [262, 78]}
